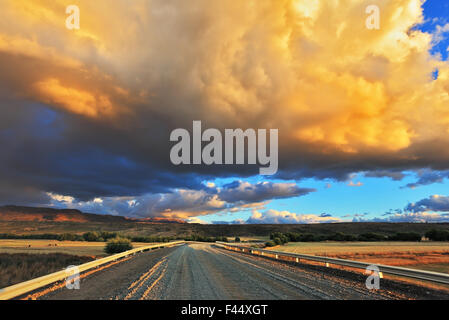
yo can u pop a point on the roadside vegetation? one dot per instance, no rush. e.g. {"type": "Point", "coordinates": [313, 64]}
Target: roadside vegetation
{"type": "Point", "coordinates": [19, 267]}
{"type": "Point", "coordinates": [438, 235]}
{"type": "Point", "coordinates": [93, 236]}
{"type": "Point", "coordinates": [279, 238]}
{"type": "Point", "coordinates": [276, 238]}
{"type": "Point", "coordinates": [120, 244]}
{"type": "Point", "coordinates": [117, 245]}
{"type": "Point", "coordinates": [424, 255]}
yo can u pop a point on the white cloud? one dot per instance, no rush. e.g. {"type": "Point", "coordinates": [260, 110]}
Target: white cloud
{"type": "Point", "coordinates": [186, 203]}
{"type": "Point", "coordinates": [278, 217]}
{"type": "Point", "coordinates": [415, 217]}
{"type": "Point", "coordinates": [60, 199]}
{"type": "Point", "coordinates": [196, 220]}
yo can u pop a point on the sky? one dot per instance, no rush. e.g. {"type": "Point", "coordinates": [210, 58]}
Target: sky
{"type": "Point", "coordinates": [362, 114]}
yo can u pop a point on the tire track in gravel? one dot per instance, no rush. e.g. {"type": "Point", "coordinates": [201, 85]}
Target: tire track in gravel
{"type": "Point", "coordinates": [307, 281]}
{"type": "Point", "coordinates": [137, 285]}
{"type": "Point", "coordinates": [261, 281]}
{"type": "Point", "coordinates": [187, 278]}
{"type": "Point", "coordinates": [113, 282]}
{"type": "Point", "coordinates": [199, 271]}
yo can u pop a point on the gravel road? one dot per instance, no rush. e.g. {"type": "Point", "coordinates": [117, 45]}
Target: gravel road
{"type": "Point", "coordinates": [202, 271]}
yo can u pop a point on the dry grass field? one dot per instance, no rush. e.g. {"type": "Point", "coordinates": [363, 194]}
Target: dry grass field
{"type": "Point", "coordinates": [78, 248]}
{"type": "Point", "coordinates": [250, 239]}
{"type": "Point", "coordinates": [19, 267]}
{"type": "Point", "coordinates": [22, 260]}
{"type": "Point", "coordinates": [433, 256]}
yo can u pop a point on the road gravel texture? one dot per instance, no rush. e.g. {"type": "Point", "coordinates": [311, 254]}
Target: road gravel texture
{"type": "Point", "coordinates": [203, 271]}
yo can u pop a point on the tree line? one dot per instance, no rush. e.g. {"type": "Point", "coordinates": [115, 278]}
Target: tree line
{"type": "Point", "coordinates": [104, 236]}
{"type": "Point", "coordinates": [279, 238]}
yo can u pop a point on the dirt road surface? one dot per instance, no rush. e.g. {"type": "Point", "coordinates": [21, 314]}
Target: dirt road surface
{"type": "Point", "coordinates": [203, 271]}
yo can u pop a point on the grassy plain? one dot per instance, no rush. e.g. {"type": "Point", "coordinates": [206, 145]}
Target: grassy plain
{"type": "Point", "coordinates": [432, 256]}
{"type": "Point", "coordinates": [78, 248]}
{"type": "Point", "coordinates": [19, 267]}
{"type": "Point", "coordinates": [22, 260]}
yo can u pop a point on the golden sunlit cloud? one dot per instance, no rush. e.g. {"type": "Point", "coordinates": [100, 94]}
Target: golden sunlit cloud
{"type": "Point", "coordinates": [73, 100]}
{"type": "Point", "coordinates": [311, 68]}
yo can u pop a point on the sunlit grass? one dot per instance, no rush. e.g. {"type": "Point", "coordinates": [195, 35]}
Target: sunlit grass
{"type": "Point", "coordinates": [79, 248]}
{"type": "Point", "coordinates": [432, 256]}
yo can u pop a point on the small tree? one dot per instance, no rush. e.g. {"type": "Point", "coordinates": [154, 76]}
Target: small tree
{"type": "Point", "coordinates": [438, 235]}
{"type": "Point", "coordinates": [270, 243]}
{"type": "Point", "coordinates": [91, 236]}
{"type": "Point", "coordinates": [117, 245]}
{"type": "Point", "coordinates": [237, 239]}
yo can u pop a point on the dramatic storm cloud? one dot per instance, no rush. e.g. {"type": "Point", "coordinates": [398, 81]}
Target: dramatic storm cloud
{"type": "Point", "coordinates": [87, 113]}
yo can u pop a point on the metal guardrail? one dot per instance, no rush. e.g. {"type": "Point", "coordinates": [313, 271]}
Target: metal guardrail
{"type": "Point", "coordinates": [397, 271]}
{"type": "Point", "coordinates": [31, 285]}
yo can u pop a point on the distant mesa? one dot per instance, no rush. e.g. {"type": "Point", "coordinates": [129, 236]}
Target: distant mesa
{"type": "Point", "coordinates": [20, 213]}
{"type": "Point", "coordinates": [161, 220]}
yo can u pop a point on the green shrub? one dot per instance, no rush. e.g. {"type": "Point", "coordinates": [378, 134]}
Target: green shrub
{"type": "Point", "coordinates": [339, 236]}
{"type": "Point", "coordinates": [279, 237]}
{"type": "Point", "coordinates": [237, 239]}
{"type": "Point", "coordinates": [195, 237]}
{"type": "Point", "coordinates": [91, 236]}
{"type": "Point", "coordinates": [405, 236]}
{"type": "Point", "coordinates": [158, 239]}
{"type": "Point", "coordinates": [107, 235]}
{"type": "Point", "coordinates": [270, 244]}
{"type": "Point", "coordinates": [308, 237]}
{"type": "Point", "coordinates": [438, 235]}
{"type": "Point", "coordinates": [371, 236]}
{"type": "Point", "coordinates": [293, 237]}
{"type": "Point", "coordinates": [117, 245]}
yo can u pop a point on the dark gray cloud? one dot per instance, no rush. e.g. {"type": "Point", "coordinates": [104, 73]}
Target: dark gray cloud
{"type": "Point", "coordinates": [240, 191]}
{"type": "Point", "coordinates": [414, 217]}
{"type": "Point", "coordinates": [237, 221]}
{"type": "Point", "coordinates": [428, 176]}
{"type": "Point", "coordinates": [434, 203]}
{"type": "Point", "coordinates": [392, 212]}
{"type": "Point", "coordinates": [325, 215]}
{"type": "Point", "coordinates": [394, 175]}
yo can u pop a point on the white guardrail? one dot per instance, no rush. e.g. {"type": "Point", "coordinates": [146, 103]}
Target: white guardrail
{"type": "Point", "coordinates": [31, 285]}
{"type": "Point", "coordinates": [397, 271]}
